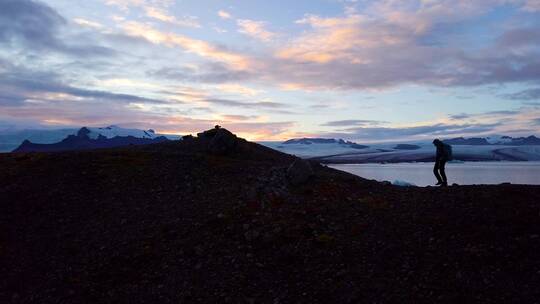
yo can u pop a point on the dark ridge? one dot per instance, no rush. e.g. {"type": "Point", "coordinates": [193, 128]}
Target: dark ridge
{"type": "Point", "coordinates": [531, 140]}
{"type": "Point", "coordinates": [309, 141]}
{"type": "Point", "coordinates": [518, 141]}
{"type": "Point", "coordinates": [475, 141]}
{"type": "Point", "coordinates": [82, 141]}
{"type": "Point", "coordinates": [217, 219]}
{"type": "Point", "coordinates": [406, 147]}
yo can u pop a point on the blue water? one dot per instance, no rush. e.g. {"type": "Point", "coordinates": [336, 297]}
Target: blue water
{"type": "Point", "coordinates": [467, 173]}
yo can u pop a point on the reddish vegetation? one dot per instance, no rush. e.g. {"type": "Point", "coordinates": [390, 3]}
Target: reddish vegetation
{"type": "Point", "coordinates": [172, 223]}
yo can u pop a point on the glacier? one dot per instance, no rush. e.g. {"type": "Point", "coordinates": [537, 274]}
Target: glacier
{"type": "Point", "coordinates": [386, 153]}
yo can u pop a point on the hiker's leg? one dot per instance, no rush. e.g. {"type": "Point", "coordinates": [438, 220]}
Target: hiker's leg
{"type": "Point", "coordinates": [436, 172]}
{"type": "Point", "coordinates": [443, 173]}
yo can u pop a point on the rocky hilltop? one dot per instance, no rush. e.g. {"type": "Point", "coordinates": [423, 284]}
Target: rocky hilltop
{"type": "Point", "coordinates": [217, 219]}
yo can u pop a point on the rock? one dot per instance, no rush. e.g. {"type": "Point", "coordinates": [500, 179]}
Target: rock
{"type": "Point", "coordinates": [223, 142]}
{"type": "Point", "coordinates": [209, 133]}
{"type": "Point", "coordinates": [219, 141]}
{"type": "Point", "coordinates": [299, 172]}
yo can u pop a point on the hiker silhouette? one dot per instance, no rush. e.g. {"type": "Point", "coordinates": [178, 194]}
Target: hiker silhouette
{"type": "Point", "coordinates": [443, 154]}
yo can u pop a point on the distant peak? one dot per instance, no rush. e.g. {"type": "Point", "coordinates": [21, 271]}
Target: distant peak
{"type": "Point", "coordinates": [83, 132]}
{"type": "Point", "coordinates": [309, 141]}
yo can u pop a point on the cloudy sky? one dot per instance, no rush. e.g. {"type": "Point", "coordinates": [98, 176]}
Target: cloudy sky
{"type": "Point", "coordinates": [361, 70]}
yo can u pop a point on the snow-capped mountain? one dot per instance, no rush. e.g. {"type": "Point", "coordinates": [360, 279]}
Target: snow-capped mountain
{"type": "Point", "coordinates": [113, 131]}
{"type": "Point", "coordinates": [82, 141]}
{"type": "Point", "coordinates": [474, 141]}
{"type": "Point", "coordinates": [310, 141]}
{"type": "Point", "coordinates": [11, 139]}
{"type": "Point", "coordinates": [499, 139]}
{"type": "Point", "coordinates": [313, 147]}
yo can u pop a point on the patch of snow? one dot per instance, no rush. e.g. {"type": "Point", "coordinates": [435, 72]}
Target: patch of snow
{"type": "Point", "coordinates": [401, 183]}
{"type": "Point", "coordinates": [113, 131]}
{"type": "Point", "coordinates": [498, 139]}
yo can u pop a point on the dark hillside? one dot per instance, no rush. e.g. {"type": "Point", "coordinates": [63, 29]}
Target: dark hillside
{"type": "Point", "coordinates": [216, 219]}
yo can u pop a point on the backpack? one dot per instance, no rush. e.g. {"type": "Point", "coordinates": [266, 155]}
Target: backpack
{"type": "Point", "coordinates": [448, 151]}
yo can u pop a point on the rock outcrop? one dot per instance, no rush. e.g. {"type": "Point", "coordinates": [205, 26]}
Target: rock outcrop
{"type": "Point", "coordinates": [220, 141]}
{"type": "Point", "coordinates": [223, 142]}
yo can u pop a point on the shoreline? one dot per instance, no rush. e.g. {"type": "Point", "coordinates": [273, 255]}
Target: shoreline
{"type": "Point", "coordinates": [461, 173]}
{"type": "Point", "coordinates": [360, 162]}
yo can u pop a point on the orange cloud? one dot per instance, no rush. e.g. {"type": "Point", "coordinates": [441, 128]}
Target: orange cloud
{"type": "Point", "coordinates": [224, 15]}
{"type": "Point", "coordinates": [332, 39]}
{"type": "Point", "coordinates": [199, 47]}
{"type": "Point", "coordinates": [255, 29]}
{"type": "Point", "coordinates": [162, 15]}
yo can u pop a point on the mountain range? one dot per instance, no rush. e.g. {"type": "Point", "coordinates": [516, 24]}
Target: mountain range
{"type": "Point", "coordinates": [494, 147]}
{"type": "Point", "coordinates": [83, 141]}
{"type": "Point", "coordinates": [501, 140]}
{"type": "Point", "coordinates": [472, 141]}
{"type": "Point", "coordinates": [310, 141]}
{"type": "Point", "coordinates": [11, 139]}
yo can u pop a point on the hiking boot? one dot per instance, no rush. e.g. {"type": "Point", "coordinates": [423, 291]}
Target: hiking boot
{"type": "Point", "coordinates": [444, 184]}
{"type": "Point", "coordinates": [438, 184]}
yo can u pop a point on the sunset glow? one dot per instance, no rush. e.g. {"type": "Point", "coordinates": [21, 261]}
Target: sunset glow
{"type": "Point", "coordinates": [270, 70]}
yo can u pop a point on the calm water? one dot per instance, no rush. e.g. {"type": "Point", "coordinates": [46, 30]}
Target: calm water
{"type": "Point", "coordinates": [468, 173]}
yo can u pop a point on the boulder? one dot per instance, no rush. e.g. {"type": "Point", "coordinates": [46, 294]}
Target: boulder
{"type": "Point", "coordinates": [299, 172]}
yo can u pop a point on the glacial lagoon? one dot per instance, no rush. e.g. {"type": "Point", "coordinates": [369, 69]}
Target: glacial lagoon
{"type": "Point", "coordinates": [464, 173]}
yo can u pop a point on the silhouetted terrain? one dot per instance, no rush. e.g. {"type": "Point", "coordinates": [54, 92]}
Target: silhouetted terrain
{"type": "Point", "coordinates": [474, 141]}
{"type": "Point", "coordinates": [310, 141]}
{"type": "Point", "coordinates": [82, 141]}
{"type": "Point", "coordinates": [406, 147]}
{"type": "Point", "coordinates": [504, 140]}
{"type": "Point", "coordinates": [10, 139]}
{"type": "Point", "coordinates": [216, 219]}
